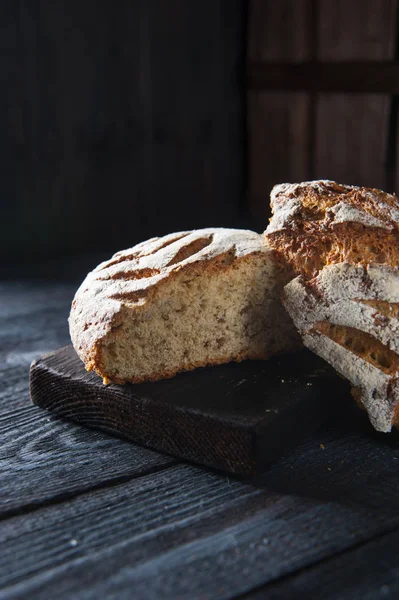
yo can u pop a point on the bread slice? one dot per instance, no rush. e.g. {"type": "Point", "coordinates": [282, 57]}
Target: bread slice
{"type": "Point", "coordinates": [318, 223]}
{"type": "Point", "coordinates": [186, 300]}
{"type": "Point", "coordinates": [348, 315]}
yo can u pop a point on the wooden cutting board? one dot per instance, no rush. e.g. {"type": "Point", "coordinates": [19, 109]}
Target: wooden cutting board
{"type": "Point", "coordinates": [236, 417]}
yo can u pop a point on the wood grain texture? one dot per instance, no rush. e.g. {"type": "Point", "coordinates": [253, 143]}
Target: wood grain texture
{"type": "Point", "coordinates": [25, 296]}
{"type": "Point", "coordinates": [345, 77]}
{"type": "Point", "coordinates": [52, 460]}
{"type": "Point", "coordinates": [278, 123]}
{"type": "Point", "coordinates": [373, 575]}
{"type": "Point", "coordinates": [347, 33]}
{"type": "Point", "coordinates": [185, 532]}
{"type": "Point", "coordinates": [234, 417]}
{"type": "Point", "coordinates": [156, 513]}
{"type": "Point", "coordinates": [96, 517]}
{"type": "Point", "coordinates": [343, 136]}
{"type": "Point", "coordinates": [24, 337]}
{"type": "Point", "coordinates": [351, 135]}
{"type": "Point", "coordinates": [36, 451]}
{"type": "Point", "coordinates": [33, 321]}
{"type": "Point", "coordinates": [130, 116]}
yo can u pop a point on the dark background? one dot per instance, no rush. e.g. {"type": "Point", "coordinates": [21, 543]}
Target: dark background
{"type": "Point", "coordinates": [123, 120]}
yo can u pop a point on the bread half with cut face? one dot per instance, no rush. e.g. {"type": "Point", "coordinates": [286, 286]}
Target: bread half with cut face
{"type": "Point", "coordinates": [182, 301]}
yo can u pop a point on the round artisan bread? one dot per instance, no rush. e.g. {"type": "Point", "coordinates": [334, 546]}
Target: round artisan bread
{"type": "Point", "coordinates": [186, 300]}
{"type": "Point", "coordinates": [343, 241]}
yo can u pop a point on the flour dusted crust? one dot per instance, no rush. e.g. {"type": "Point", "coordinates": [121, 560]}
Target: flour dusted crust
{"type": "Point", "coordinates": [343, 241]}
{"type": "Point", "coordinates": [188, 299]}
{"type": "Point", "coordinates": [318, 223]}
{"type": "Point", "coordinates": [348, 315]}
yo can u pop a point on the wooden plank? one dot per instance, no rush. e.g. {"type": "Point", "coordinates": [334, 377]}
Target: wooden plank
{"type": "Point", "coordinates": [33, 320]}
{"type": "Point", "coordinates": [53, 460]}
{"type": "Point", "coordinates": [14, 389]}
{"type": "Point", "coordinates": [190, 533]}
{"type": "Point", "coordinates": [26, 337]}
{"type": "Point", "coordinates": [22, 297]}
{"type": "Point", "coordinates": [185, 530]}
{"type": "Point", "coordinates": [278, 123]}
{"type": "Point", "coordinates": [352, 131]}
{"type": "Point", "coordinates": [121, 126]}
{"type": "Point", "coordinates": [352, 466]}
{"type": "Point", "coordinates": [197, 94]}
{"type": "Point", "coordinates": [234, 417]}
{"type": "Point", "coordinates": [157, 512]}
{"type": "Point", "coordinates": [279, 30]}
{"type": "Point", "coordinates": [278, 133]}
{"type": "Point", "coordinates": [352, 140]}
{"type": "Point", "coordinates": [369, 571]}
{"type": "Point", "coordinates": [356, 30]}
{"type": "Point", "coordinates": [362, 485]}
{"type": "Point", "coordinates": [35, 451]}
{"type": "Point", "coordinates": [348, 77]}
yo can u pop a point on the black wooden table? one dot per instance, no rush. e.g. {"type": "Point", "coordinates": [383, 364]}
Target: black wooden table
{"type": "Point", "coordinates": [85, 515]}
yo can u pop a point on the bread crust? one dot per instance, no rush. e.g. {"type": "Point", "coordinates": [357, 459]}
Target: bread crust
{"type": "Point", "coordinates": [318, 223]}
{"type": "Point", "coordinates": [135, 278]}
{"type": "Point", "coordinates": [348, 315]}
{"type": "Point", "coordinates": [343, 242]}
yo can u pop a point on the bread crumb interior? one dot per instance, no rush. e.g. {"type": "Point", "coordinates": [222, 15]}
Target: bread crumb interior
{"type": "Point", "coordinates": [232, 310]}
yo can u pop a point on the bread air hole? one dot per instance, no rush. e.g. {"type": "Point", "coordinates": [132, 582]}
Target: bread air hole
{"type": "Point", "coordinates": [221, 316]}
{"type": "Point", "coordinates": [362, 344]}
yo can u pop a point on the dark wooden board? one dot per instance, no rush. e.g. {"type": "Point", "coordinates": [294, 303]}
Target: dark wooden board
{"type": "Point", "coordinates": [235, 417]}
{"type": "Point", "coordinates": [36, 450]}
{"type": "Point", "coordinates": [369, 571]}
{"type": "Point", "coordinates": [44, 460]}
{"type": "Point", "coordinates": [191, 531]}
{"type": "Point", "coordinates": [99, 517]}
{"type": "Point", "coordinates": [181, 533]}
{"type": "Point", "coordinates": [344, 77]}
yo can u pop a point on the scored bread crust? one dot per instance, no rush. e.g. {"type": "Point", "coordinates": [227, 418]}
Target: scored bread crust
{"type": "Point", "coordinates": [343, 241]}
{"type": "Point", "coordinates": [133, 279]}
{"type": "Point", "coordinates": [348, 315]}
{"type": "Point", "coordinates": [317, 223]}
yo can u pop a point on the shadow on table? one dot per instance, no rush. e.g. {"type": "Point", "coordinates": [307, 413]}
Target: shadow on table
{"type": "Point", "coordinates": [346, 462]}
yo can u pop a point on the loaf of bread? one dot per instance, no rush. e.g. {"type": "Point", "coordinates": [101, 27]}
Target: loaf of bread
{"type": "Point", "coordinates": [318, 223]}
{"type": "Point", "coordinates": [182, 301]}
{"type": "Point", "coordinates": [343, 241]}
{"type": "Point", "coordinates": [348, 315]}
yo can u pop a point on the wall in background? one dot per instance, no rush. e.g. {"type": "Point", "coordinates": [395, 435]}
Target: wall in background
{"type": "Point", "coordinates": [121, 120]}
{"type": "Point", "coordinates": [125, 120]}
{"type": "Point", "coordinates": [322, 101]}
